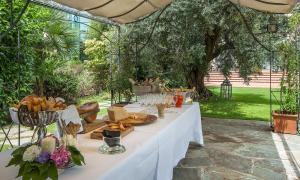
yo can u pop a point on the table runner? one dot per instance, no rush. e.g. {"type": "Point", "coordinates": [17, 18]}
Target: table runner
{"type": "Point", "coordinates": [151, 151]}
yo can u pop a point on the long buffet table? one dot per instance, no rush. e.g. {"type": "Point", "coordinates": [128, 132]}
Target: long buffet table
{"type": "Point", "coordinates": [151, 150]}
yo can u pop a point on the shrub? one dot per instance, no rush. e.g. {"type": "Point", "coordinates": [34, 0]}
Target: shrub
{"type": "Point", "coordinates": [62, 85]}
{"type": "Point", "coordinates": [87, 85]}
{"type": "Point", "coordinates": [289, 83]}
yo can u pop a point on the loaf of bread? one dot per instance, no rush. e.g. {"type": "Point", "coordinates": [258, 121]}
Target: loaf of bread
{"type": "Point", "coordinates": [36, 104]}
{"type": "Point", "coordinates": [117, 113]}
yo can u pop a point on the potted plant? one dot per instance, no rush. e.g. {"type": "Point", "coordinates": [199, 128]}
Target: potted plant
{"type": "Point", "coordinates": [286, 119]}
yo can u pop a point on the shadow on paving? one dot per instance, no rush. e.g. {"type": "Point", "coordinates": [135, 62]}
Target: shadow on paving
{"type": "Point", "coordinates": [238, 149]}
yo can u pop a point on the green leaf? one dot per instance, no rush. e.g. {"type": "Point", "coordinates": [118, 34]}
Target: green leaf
{"type": "Point", "coordinates": [27, 168]}
{"type": "Point", "coordinates": [52, 171]}
{"type": "Point", "coordinates": [35, 175]}
{"type": "Point", "coordinates": [16, 160]}
{"type": "Point", "coordinates": [43, 168]}
{"type": "Point", "coordinates": [76, 156]}
{"type": "Point", "coordinates": [26, 177]}
{"type": "Point", "coordinates": [21, 170]}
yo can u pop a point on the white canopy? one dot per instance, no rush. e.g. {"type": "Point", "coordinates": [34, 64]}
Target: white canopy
{"type": "Point", "coordinates": [121, 11]}
{"type": "Point", "coordinates": [271, 6]}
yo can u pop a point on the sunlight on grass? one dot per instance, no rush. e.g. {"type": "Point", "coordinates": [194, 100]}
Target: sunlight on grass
{"type": "Point", "coordinates": [105, 96]}
{"type": "Point", "coordinates": [246, 103]}
{"type": "Point", "coordinates": [5, 147]}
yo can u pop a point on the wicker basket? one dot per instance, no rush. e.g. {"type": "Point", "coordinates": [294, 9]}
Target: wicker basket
{"type": "Point", "coordinates": [39, 120]}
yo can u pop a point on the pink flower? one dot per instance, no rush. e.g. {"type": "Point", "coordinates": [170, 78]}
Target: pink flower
{"type": "Point", "coordinates": [61, 157]}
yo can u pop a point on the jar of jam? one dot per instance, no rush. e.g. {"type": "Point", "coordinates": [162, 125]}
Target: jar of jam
{"type": "Point", "coordinates": [178, 100]}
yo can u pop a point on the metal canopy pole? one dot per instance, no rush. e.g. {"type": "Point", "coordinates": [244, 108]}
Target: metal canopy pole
{"type": "Point", "coordinates": [19, 81]}
{"type": "Point", "coordinates": [57, 6]}
{"type": "Point", "coordinates": [298, 98]}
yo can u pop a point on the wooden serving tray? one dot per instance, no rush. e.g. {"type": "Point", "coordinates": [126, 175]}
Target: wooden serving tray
{"type": "Point", "coordinates": [88, 127]}
{"type": "Point", "coordinates": [97, 134]}
{"type": "Point", "coordinates": [140, 119]}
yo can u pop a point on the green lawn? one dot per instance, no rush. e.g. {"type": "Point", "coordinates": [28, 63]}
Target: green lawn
{"type": "Point", "coordinates": [246, 103]}
{"type": "Point", "coordinates": [99, 98]}
{"type": "Point", "coordinates": [5, 147]}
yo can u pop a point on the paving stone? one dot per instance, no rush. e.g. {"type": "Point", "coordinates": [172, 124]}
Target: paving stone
{"type": "Point", "coordinates": [195, 162]}
{"type": "Point", "coordinates": [238, 149]}
{"type": "Point", "coordinates": [234, 162]}
{"type": "Point", "coordinates": [221, 173]}
{"type": "Point", "coordinates": [187, 174]}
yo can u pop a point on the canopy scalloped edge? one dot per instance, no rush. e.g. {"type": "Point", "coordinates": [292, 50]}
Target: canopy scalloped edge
{"type": "Point", "coordinates": [120, 11]}
{"type": "Point", "coordinates": [270, 6]}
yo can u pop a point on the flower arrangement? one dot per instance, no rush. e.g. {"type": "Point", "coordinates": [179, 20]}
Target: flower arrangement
{"type": "Point", "coordinates": [43, 160]}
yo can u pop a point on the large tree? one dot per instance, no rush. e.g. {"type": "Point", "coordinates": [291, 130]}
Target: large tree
{"type": "Point", "coordinates": [191, 34]}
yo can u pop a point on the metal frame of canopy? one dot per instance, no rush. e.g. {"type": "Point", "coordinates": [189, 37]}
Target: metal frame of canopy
{"type": "Point", "coordinates": [274, 91]}
{"type": "Point", "coordinates": [271, 60]}
{"type": "Point", "coordinates": [60, 8]}
{"type": "Point", "coordinates": [54, 5]}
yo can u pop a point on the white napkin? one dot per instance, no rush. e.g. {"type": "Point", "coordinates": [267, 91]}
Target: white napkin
{"type": "Point", "coordinates": [14, 115]}
{"type": "Point", "coordinates": [70, 114]}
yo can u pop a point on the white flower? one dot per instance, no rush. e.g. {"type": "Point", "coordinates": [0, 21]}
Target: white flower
{"type": "Point", "coordinates": [48, 144]}
{"type": "Point", "coordinates": [69, 140]}
{"type": "Point", "coordinates": [31, 153]}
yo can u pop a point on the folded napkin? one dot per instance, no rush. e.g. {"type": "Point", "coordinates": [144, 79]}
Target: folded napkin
{"type": "Point", "coordinates": [70, 114]}
{"type": "Point", "coordinates": [14, 115]}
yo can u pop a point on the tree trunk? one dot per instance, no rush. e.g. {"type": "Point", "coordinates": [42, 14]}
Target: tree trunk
{"type": "Point", "coordinates": [195, 78]}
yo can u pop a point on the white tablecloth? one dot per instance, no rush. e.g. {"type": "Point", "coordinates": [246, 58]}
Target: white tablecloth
{"type": "Point", "coordinates": [151, 151]}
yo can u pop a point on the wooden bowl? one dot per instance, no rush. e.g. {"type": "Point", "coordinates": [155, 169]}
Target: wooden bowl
{"type": "Point", "coordinates": [89, 111]}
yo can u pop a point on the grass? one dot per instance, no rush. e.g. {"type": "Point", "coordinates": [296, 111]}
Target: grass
{"type": "Point", "coordinates": [5, 147]}
{"type": "Point", "coordinates": [246, 103]}
{"type": "Point", "coordinates": [98, 98]}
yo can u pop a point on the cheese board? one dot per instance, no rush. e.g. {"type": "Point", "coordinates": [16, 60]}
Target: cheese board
{"type": "Point", "coordinates": [97, 134]}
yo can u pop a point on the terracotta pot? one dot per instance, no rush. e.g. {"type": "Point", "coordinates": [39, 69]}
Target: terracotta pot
{"type": "Point", "coordinates": [285, 123]}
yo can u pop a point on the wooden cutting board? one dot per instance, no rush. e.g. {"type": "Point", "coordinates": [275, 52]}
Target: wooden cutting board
{"type": "Point", "coordinates": [88, 127]}
{"type": "Point", "coordinates": [97, 134]}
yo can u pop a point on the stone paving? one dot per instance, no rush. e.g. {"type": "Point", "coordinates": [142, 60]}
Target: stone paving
{"type": "Point", "coordinates": [237, 149]}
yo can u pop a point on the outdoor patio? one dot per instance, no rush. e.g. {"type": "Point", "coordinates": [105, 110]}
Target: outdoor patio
{"type": "Point", "coordinates": [240, 149]}
{"type": "Point", "coordinates": [150, 89]}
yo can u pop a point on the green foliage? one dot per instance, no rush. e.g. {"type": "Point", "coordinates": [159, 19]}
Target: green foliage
{"type": "Point", "coordinates": [289, 83]}
{"type": "Point", "coordinates": [15, 64]}
{"type": "Point", "coordinates": [97, 63]}
{"type": "Point", "coordinates": [121, 83]}
{"type": "Point", "coordinates": [96, 30]}
{"type": "Point", "coordinates": [190, 36]}
{"type": "Point", "coordinates": [44, 36]}
{"type": "Point", "coordinates": [76, 156]}
{"type": "Point", "coordinates": [62, 85]}
{"type": "Point", "coordinates": [32, 170]}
